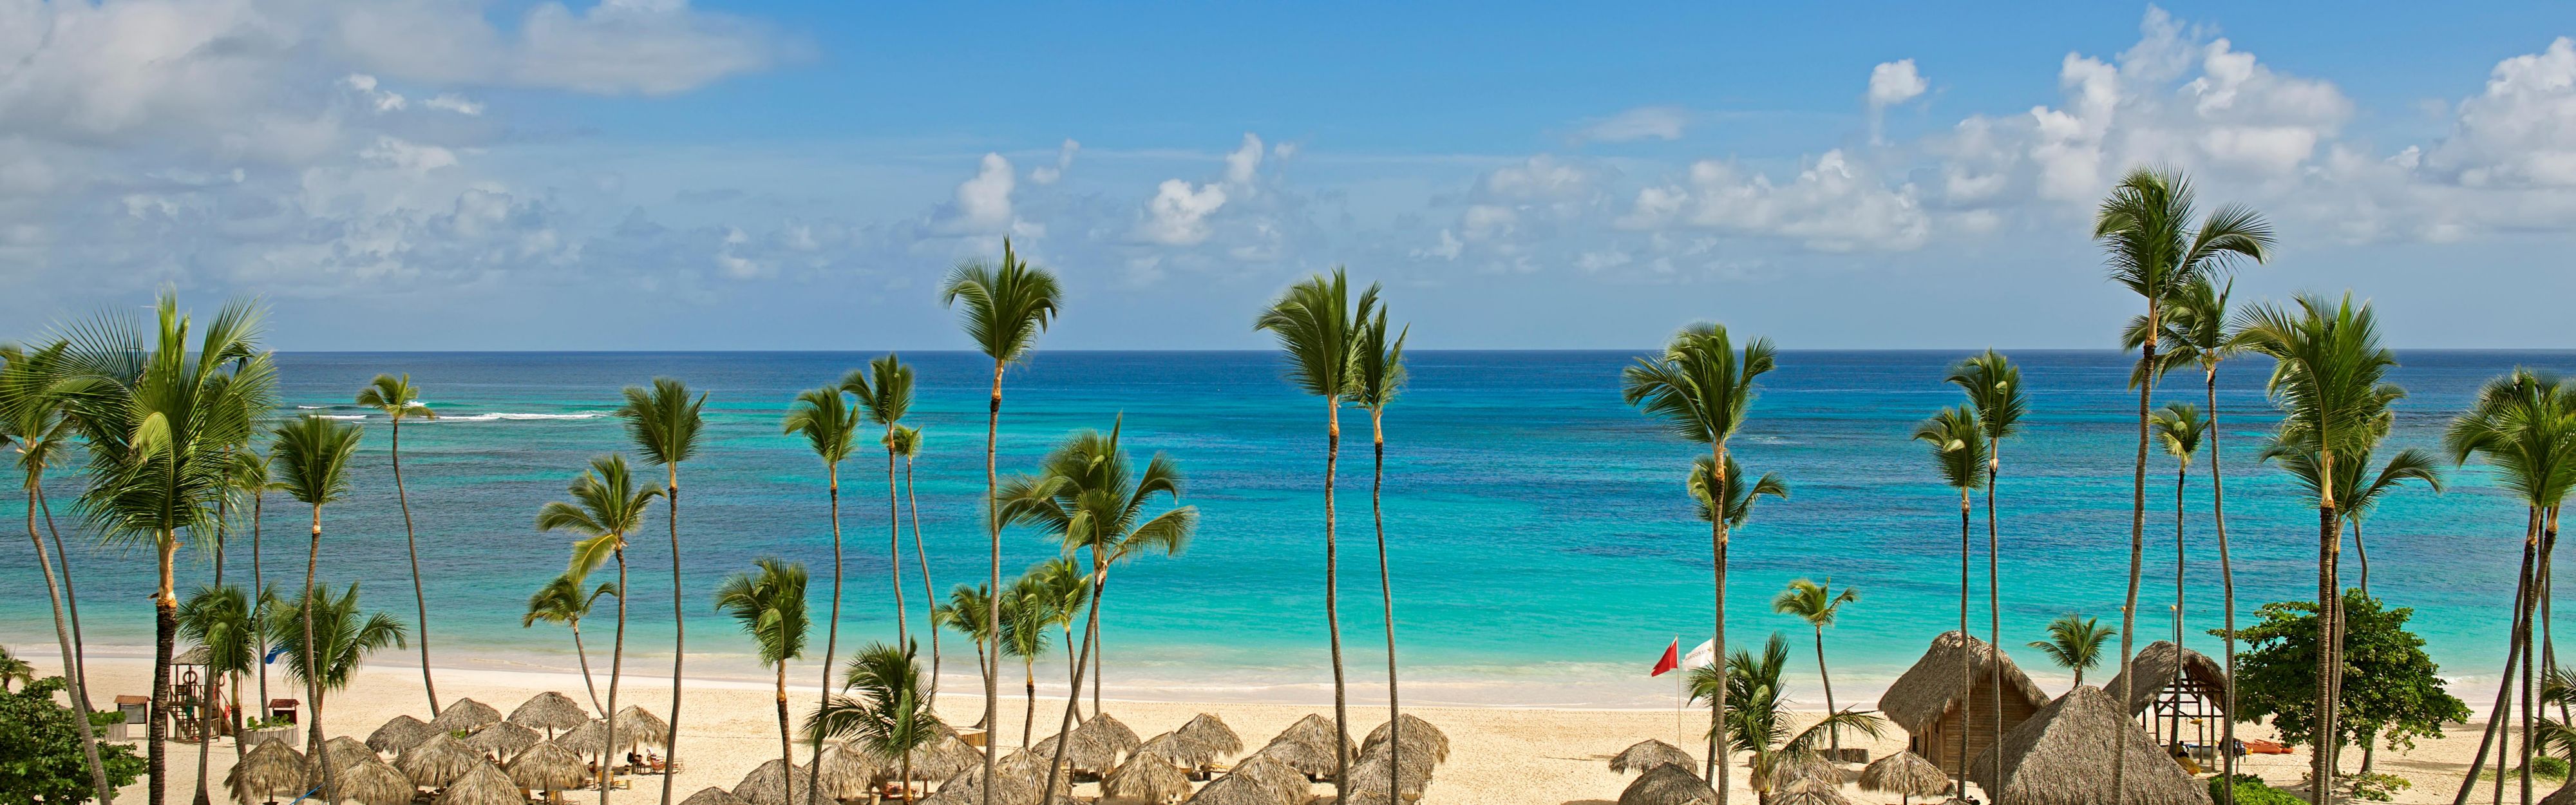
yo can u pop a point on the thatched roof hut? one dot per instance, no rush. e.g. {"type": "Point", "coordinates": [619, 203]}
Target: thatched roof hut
{"type": "Point", "coordinates": [1648, 754]}
{"type": "Point", "coordinates": [550, 711]}
{"type": "Point", "coordinates": [1419, 737]}
{"type": "Point", "coordinates": [1668, 784]}
{"type": "Point", "coordinates": [1256, 781]}
{"type": "Point", "coordinates": [1307, 746]}
{"type": "Point", "coordinates": [1108, 733]}
{"type": "Point", "coordinates": [849, 772]}
{"type": "Point", "coordinates": [769, 784]}
{"type": "Point", "coordinates": [268, 769]}
{"type": "Point", "coordinates": [547, 766]}
{"type": "Point", "coordinates": [1086, 753]}
{"type": "Point", "coordinates": [437, 762]}
{"type": "Point", "coordinates": [712, 795]}
{"type": "Point", "coordinates": [1206, 738]}
{"type": "Point", "coordinates": [504, 739]}
{"type": "Point", "coordinates": [465, 714]}
{"type": "Point", "coordinates": [342, 750]}
{"type": "Point", "coordinates": [399, 733]}
{"type": "Point", "coordinates": [648, 728]}
{"type": "Point", "coordinates": [2156, 666]}
{"type": "Point", "coordinates": [1906, 775]}
{"type": "Point", "coordinates": [372, 782]}
{"type": "Point", "coordinates": [483, 785]}
{"type": "Point", "coordinates": [1145, 780]}
{"type": "Point", "coordinates": [1932, 700]}
{"type": "Point", "coordinates": [2062, 756]}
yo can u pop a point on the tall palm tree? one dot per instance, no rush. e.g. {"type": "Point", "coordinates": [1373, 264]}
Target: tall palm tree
{"type": "Point", "coordinates": [219, 619]}
{"type": "Point", "coordinates": [770, 605]}
{"type": "Point", "coordinates": [326, 640]}
{"type": "Point", "coordinates": [2179, 429]}
{"type": "Point", "coordinates": [1960, 451]}
{"type": "Point", "coordinates": [2197, 331]}
{"type": "Point", "coordinates": [2154, 249]}
{"type": "Point", "coordinates": [162, 419]}
{"type": "Point", "coordinates": [1993, 386]}
{"type": "Point", "coordinates": [1066, 589]}
{"type": "Point", "coordinates": [1737, 508]}
{"type": "Point", "coordinates": [884, 392]}
{"type": "Point", "coordinates": [31, 417]}
{"type": "Point", "coordinates": [563, 601]}
{"type": "Point", "coordinates": [891, 715]}
{"type": "Point", "coordinates": [312, 456]}
{"type": "Point", "coordinates": [906, 442]}
{"type": "Point", "coordinates": [2524, 426]}
{"type": "Point", "coordinates": [663, 423]}
{"type": "Point", "coordinates": [1378, 374]}
{"type": "Point", "coordinates": [606, 506]}
{"type": "Point", "coordinates": [399, 399]}
{"type": "Point", "coordinates": [1026, 609]}
{"type": "Point", "coordinates": [967, 610]}
{"type": "Point", "coordinates": [1703, 388]}
{"type": "Point", "coordinates": [2326, 378]}
{"type": "Point", "coordinates": [830, 427]}
{"type": "Point", "coordinates": [1817, 604]}
{"type": "Point", "coordinates": [1319, 330]}
{"type": "Point", "coordinates": [1758, 723]}
{"type": "Point", "coordinates": [1007, 306]}
{"type": "Point", "coordinates": [1088, 497]}
{"type": "Point", "coordinates": [250, 479]}
{"type": "Point", "coordinates": [2074, 643]}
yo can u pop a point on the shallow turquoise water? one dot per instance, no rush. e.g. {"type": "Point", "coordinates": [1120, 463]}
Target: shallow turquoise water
{"type": "Point", "coordinates": [1542, 547]}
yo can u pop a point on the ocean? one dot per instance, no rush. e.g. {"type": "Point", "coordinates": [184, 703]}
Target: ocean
{"type": "Point", "coordinates": [1543, 550]}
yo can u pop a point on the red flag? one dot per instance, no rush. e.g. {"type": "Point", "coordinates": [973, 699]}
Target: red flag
{"type": "Point", "coordinates": [1672, 658]}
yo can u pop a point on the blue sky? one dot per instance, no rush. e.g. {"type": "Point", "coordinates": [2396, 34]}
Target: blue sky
{"type": "Point", "coordinates": [442, 174]}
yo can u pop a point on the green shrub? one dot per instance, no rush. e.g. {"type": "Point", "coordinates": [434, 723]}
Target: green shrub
{"type": "Point", "coordinates": [2550, 767]}
{"type": "Point", "coordinates": [40, 750]}
{"type": "Point", "coordinates": [2250, 790]}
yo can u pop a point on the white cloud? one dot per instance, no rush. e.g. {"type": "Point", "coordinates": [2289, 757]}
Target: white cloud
{"type": "Point", "coordinates": [1641, 123]}
{"type": "Point", "coordinates": [984, 202]}
{"type": "Point", "coordinates": [1048, 174]}
{"type": "Point", "coordinates": [1244, 164]}
{"type": "Point", "coordinates": [452, 102]}
{"type": "Point", "coordinates": [2519, 132]}
{"type": "Point", "coordinates": [1541, 177]}
{"type": "Point", "coordinates": [1895, 82]}
{"type": "Point", "coordinates": [1834, 204]}
{"type": "Point", "coordinates": [1178, 214]}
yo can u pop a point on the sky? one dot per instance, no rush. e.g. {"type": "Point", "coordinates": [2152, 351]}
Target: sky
{"type": "Point", "coordinates": [660, 174]}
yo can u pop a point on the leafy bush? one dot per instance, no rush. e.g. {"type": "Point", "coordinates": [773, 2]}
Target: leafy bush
{"type": "Point", "coordinates": [2550, 767]}
{"type": "Point", "coordinates": [40, 750]}
{"type": "Point", "coordinates": [2250, 790]}
{"type": "Point", "coordinates": [2384, 787]}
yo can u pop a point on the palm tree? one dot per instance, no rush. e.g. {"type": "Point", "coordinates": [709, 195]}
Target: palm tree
{"type": "Point", "coordinates": [219, 619]}
{"type": "Point", "coordinates": [31, 416]}
{"type": "Point", "coordinates": [1026, 610]}
{"type": "Point", "coordinates": [2524, 426]}
{"type": "Point", "coordinates": [1703, 389]}
{"type": "Point", "coordinates": [824, 418]}
{"type": "Point", "coordinates": [891, 715]}
{"type": "Point", "coordinates": [1817, 605]}
{"type": "Point", "coordinates": [2074, 643]}
{"type": "Point", "coordinates": [663, 423]}
{"type": "Point", "coordinates": [884, 392]}
{"type": "Point", "coordinates": [2154, 250]}
{"type": "Point", "coordinates": [966, 611]}
{"type": "Point", "coordinates": [2179, 428]}
{"type": "Point", "coordinates": [398, 398]}
{"type": "Point", "coordinates": [1993, 386]}
{"type": "Point", "coordinates": [1007, 306]}
{"type": "Point", "coordinates": [327, 639]}
{"type": "Point", "coordinates": [1088, 497]}
{"type": "Point", "coordinates": [906, 442]}
{"type": "Point", "coordinates": [1738, 506]}
{"type": "Point", "coordinates": [2326, 379]}
{"type": "Point", "coordinates": [563, 601]}
{"type": "Point", "coordinates": [14, 671]}
{"type": "Point", "coordinates": [1066, 589]}
{"type": "Point", "coordinates": [606, 506]}
{"type": "Point", "coordinates": [1959, 449]}
{"type": "Point", "coordinates": [1758, 723]}
{"type": "Point", "coordinates": [162, 421]}
{"type": "Point", "coordinates": [2407, 465]}
{"type": "Point", "coordinates": [770, 605]}
{"type": "Point", "coordinates": [2196, 330]}
{"type": "Point", "coordinates": [250, 479]}
{"type": "Point", "coordinates": [1377, 375]}
{"type": "Point", "coordinates": [312, 456]}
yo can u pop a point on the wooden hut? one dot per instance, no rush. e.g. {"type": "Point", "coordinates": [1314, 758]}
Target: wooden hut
{"type": "Point", "coordinates": [2182, 696]}
{"type": "Point", "coordinates": [2063, 754]}
{"type": "Point", "coordinates": [1934, 700]}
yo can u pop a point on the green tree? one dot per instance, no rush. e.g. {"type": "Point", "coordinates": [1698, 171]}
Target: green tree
{"type": "Point", "coordinates": [1993, 386]}
{"type": "Point", "coordinates": [2393, 690]}
{"type": "Point", "coordinates": [31, 417]}
{"type": "Point", "coordinates": [328, 635]}
{"type": "Point", "coordinates": [1377, 375]}
{"type": "Point", "coordinates": [47, 755]}
{"type": "Point", "coordinates": [1817, 604]}
{"type": "Point", "coordinates": [2179, 429]}
{"type": "Point", "coordinates": [219, 619]}
{"type": "Point", "coordinates": [830, 427]}
{"type": "Point", "coordinates": [2523, 425]}
{"type": "Point", "coordinates": [967, 610]}
{"type": "Point", "coordinates": [1703, 389]}
{"type": "Point", "coordinates": [563, 601]}
{"type": "Point", "coordinates": [606, 506]}
{"type": "Point", "coordinates": [905, 441]}
{"type": "Point", "coordinates": [1959, 450]}
{"type": "Point", "coordinates": [1757, 720]}
{"type": "Point", "coordinates": [399, 399]}
{"type": "Point", "coordinates": [770, 606]}
{"type": "Point", "coordinates": [884, 392]}
{"type": "Point", "coordinates": [312, 456]}
{"type": "Point", "coordinates": [889, 714]}
{"type": "Point", "coordinates": [1027, 609]}
{"type": "Point", "coordinates": [664, 425]}
{"type": "Point", "coordinates": [250, 479]}
{"type": "Point", "coordinates": [1066, 589]}
{"type": "Point", "coordinates": [1007, 306]}
{"type": "Point", "coordinates": [14, 671]}
{"type": "Point", "coordinates": [2198, 331]}
{"type": "Point", "coordinates": [2075, 643]}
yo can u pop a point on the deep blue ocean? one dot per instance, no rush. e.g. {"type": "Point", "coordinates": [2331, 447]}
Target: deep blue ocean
{"type": "Point", "coordinates": [1543, 548]}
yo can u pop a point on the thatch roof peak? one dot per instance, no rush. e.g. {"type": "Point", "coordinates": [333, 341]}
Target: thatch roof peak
{"type": "Point", "coordinates": [483, 785]}
{"type": "Point", "coordinates": [769, 784]}
{"type": "Point", "coordinates": [2155, 666]}
{"type": "Point", "coordinates": [1933, 685]}
{"type": "Point", "coordinates": [436, 762]}
{"type": "Point", "coordinates": [269, 768]}
{"type": "Point", "coordinates": [465, 714]}
{"type": "Point", "coordinates": [712, 795]}
{"type": "Point", "coordinates": [399, 733]}
{"type": "Point", "coordinates": [550, 711]}
{"type": "Point", "coordinates": [373, 782]}
{"type": "Point", "coordinates": [1207, 738]}
{"type": "Point", "coordinates": [1905, 774]}
{"type": "Point", "coordinates": [547, 766]}
{"type": "Point", "coordinates": [2062, 756]}
{"type": "Point", "coordinates": [342, 751]}
{"type": "Point", "coordinates": [503, 738]}
{"type": "Point", "coordinates": [1145, 780]}
{"type": "Point", "coordinates": [1419, 737]}
{"type": "Point", "coordinates": [1667, 784]}
{"type": "Point", "coordinates": [1648, 754]}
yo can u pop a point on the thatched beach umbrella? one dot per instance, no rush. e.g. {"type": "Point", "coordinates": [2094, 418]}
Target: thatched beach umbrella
{"type": "Point", "coordinates": [1109, 733]}
{"type": "Point", "coordinates": [1809, 792]}
{"type": "Point", "coordinates": [1668, 784]}
{"type": "Point", "coordinates": [399, 733]}
{"type": "Point", "coordinates": [1145, 780]}
{"type": "Point", "coordinates": [1648, 754]}
{"type": "Point", "coordinates": [1166, 748]}
{"type": "Point", "coordinates": [1207, 739]}
{"type": "Point", "coordinates": [712, 795]}
{"type": "Point", "coordinates": [1086, 753]}
{"type": "Point", "coordinates": [2061, 757]}
{"type": "Point", "coordinates": [946, 755]}
{"type": "Point", "coordinates": [550, 711]}
{"type": "Point", "coordinates": [265, 771]}
{"type": "Point", "coordinates": [372, 782]}
{"type": "Point", "coordinates": [482, 785]}
{"type": "Point", "coordinates": [1798, 766]}
{"type": "Point", "coordinates": [504, 739]}
{"type": "Point", "coordinates": [547, 766]}
{"type": "Point", "coordinates": [341, 751]}
{"type": "Point", "coordinates": [648, 729]}
{"type": "Point", "coordinates": [465, 714]}
{"type": "Point", "coordinates": [769, 784]}
{"type": "Point", "coordinates": [1306, 746]}
{"type": "Point", "coordinates": [1419, 736]}
{"type": "Point", "coordinates": [1369, 777]}
{"type": "Point", "coordinates": [1906, 775]}
{"type": "Point", "coordinates": [437, 762]}
{"type": "Point", "coordinates": [1257, 781]}
{"type": "Point", "coordinates": [849, 772]}
{"type": "Point", "coordinates": [2159, 663]}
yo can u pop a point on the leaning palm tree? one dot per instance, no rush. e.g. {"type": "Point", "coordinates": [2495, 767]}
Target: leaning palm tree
{"type": "Point", "coordinates": [663, 423]}
{"type": "Point", "coordinates": [312, 455]}
{"type": "Point", "coordinates": [399, 399]}
{"type": "Point", "coordinates": [2524, 426]}
{"type": "Point", "coordinates": [829, 426]}
{"type": "Point", "coordinates": [1066, 589]}
{"type": "Point", "coordinates": [890, 715]}
{"type": "Point", "coordinates": [2074, 643]}
{"type": "Point", "coordinates": [1959, 450]}
{"type": "Point", "coordinates": [1377, 375]}
{"type": "Point", "coordinates": [219, 619]}
{"type": "Point", "coordinates": [2326, 378]}
{"type": "Point", "coordinates": [1703, 388]}
{"type": "Point", "coordinates": [1993, 386]}
{"type": "Point", "coordinates": [1007, 306]}
{"type": "Point", "coordinates": [966, 611]}
{"type": "Point", "coordinates": [1026, 609]}
{"type": "Point", "coordinates": [326, 638]}
{"type": "Point", "coordinates": [1088, 497]}
{"type": "Point", "coordinates": [31, 417]}
{"type": "Point", "coordinates": [770, 605]}
{"type": "Point", "coordinates": [905, 441]}
{"type": "Point", "coordinates": [162, 419]}
{"type": "Point", "coordinates": [563, 601]}
{"type": "Point", "coordinates": [1737, 508]}
{"type": "Point", "coordinates": [2154, 249]}
{"type": "Point", "coordinates": [2197, 331]}
{"type": "Point", "coordinates": [1817, 604]}
{"type": "Point", "coordinates": [2179, 429]}
{"type": "Point", "coordinates": [606, 506]}
{"type": "Point", "coordinates": [1319, 330]}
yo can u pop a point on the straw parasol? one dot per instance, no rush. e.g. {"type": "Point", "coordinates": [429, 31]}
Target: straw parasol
{"type": "Point", "coordinates": [1109, 733]}
{"type": "Point", "coordinates": [437, 762]}
{"type": "Point", "coordinates": [1306, 746]}
{"type": "Point", "coordinates": [547, 766]}
{"type": "Point", "coordinates": [648, 729]}
{"type": "Point", "coordinates": [1145, 780]}
{"type": "Point", "coordinates": [1419, 737]}
{"type": "Point", "coordinates": [343, 750]}
{"type": "Point", "coordinates": [1906, 775]}
{"type": "Point", "coordinates": [849, 772]}
{"type": "Point", "coordinates": [1668, 784]}
{"type": "Point", "coordinates": [2156, 665]}
{"type": "Point", "coordinates": [465, 714]}
{"type": "Point", "coordinates": [1256, 781]}
{"type": "Point", "coordinates": [1016, 780]}
{"type": "Point", "coordinates": [1795, 766]}
{"type": "Point", "coordinates": [1274, 774]}
{"type": "Point", "coordinates": [1167, 748]}
{"type": "Point", "coordinates": [265, 771]}
{"type": "Point", "coordinates": [1369, 777]}
{"type": "Point", "coordinates": [399, 733]}
{"type": "Point", "coordinates": [946, 755]}
{"type": "Point", "coordinates": [592, 739]}
{"type": "Point", "coordinates": [769, 784]}
{"type": "Point", "coordinates": [1648, 754]}
{"type": "Point", "coordinates": [482, 785]}
{"type": "Point", "coordinates": [712, 795]}
{"type": "Point", "coordinates": [550, 711]}
{"type": "Point", "coordinates": [373, 782]}
{"type": "Point", "coordinates": [504, 739]}
{"type": "Point", "coordinates": [1085, 753]}
{"type": "Point", "coordinates": [1809, 792]}
{"type": "Point", "coordinates": [2060, 756]}
{"type": "Point", "coordinates": [1206, 739]}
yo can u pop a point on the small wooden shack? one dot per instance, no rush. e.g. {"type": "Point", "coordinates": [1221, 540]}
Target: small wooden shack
{"type": "Point", "coordinates": [1955, 679]}
{"type": "Point", "coordinates": [2181, 694]}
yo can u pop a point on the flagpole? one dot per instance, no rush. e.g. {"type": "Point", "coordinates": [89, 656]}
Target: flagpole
{"type": "Point", "coordinates": [1680, 732]}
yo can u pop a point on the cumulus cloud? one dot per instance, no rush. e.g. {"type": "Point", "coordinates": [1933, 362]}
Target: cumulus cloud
{"type": "Point", "coordinates": [1048, 174]}
{"type": "Point", "coordinates": [1178, 214]}
{"type": "Point", "coordinates": [984, 201]}
{"type": "Point", "coordinates": [1641, 123]}
{"type": "Point", "coordinates": [1243, 165]}
{"type": "Point", "coordinates": [1833, 204]}
{"type": "Point", "coordinates": [1895, 82]}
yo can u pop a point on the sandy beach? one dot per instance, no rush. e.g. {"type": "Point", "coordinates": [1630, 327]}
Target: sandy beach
{"type": "Point", "coordinates": [1498, 754]}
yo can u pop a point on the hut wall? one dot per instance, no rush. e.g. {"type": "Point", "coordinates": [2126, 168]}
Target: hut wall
{"type": "Point", "coordinates": [1940, 744]}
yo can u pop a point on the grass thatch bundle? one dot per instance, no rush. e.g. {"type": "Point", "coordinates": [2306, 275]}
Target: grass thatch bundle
{"type": "Point", "coordinates": [1668, 784]}
{"type": "Point", "coordinates": [399, 733]}
{"type": "Point", "coordinates": [1934, 685]}
{"type": "Point", "coordinates": [342, 751]}
{"type": "Point", "coordinates": [465, 714]}
{"type": "Point", "coordinates": [372, 782]}
{"type": "Point", "coordinates": [646, 727]}
{"type": "Point", "coordinates": [437, 762]}
{"type": "Point", "coordinates": [550, 711]}
{"type": "Point", "coordinates": [2156, 666]}
{"type": "Point", "coordinates": [1648, 754]}
{"type": "Point", "coordinates": [1307, 746]}
{"type": "Point", "coordinates": [712, 795]}
{"type": "Point", "coordinates": [2565, 795]}
{"type": "Point", "coordinates": [1145, 780]}
{"type": "Point", "coordinates": [503, 739]}
{"type": "Point", "coordinates": [266, 770]}
{"type": "Point", "coordinates": [1207, 739]}
{"type": "Point", "coordinates": [1905, 774]}
{"type": "Point", "coordinates": [2063, 756]}
{"type": "Point", "coordinates": [850, 772]}
{"type": "Point", "coordinates": [769, 784]}
{"type": "Point", "coordinates": [547, 766]}
{"type": "Point", "coordinates": [484, 785]}
{"type": "Point", "coordinates": [1418, 736]}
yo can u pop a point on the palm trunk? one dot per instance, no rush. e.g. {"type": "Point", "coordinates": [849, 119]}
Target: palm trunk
{"type": "Point", "coordinates": [411, 544]}
{"type": "Point", "coordinates": [584, 657]}
{"type": "Point", "coordinates": [1967, 674]}
{"type": "Point", "coordinates": [165, 631]}
{"type": "Point", "coordinates": [926, 592]}
{"type": "Point", "coordinates": [616, 672]}
{"type": "Point", "coordinates": [2530, 697]}
{"type": "Point", "coordinates": [2137, 539]}
{"type": "Point", "coordinates": [2548, 590]}
{"type": "Point", "coordinates": [75, 663]}
{"type": "Point", "coordinates": [206, 693]}
{"type": "Point", "coordinates": [1098, 667]}
{"type": "Point", "coordinates": [1029, 713]}
{"type": "Point", "coordinates": [832, 632]}
{"type": "Point", "coordinates": [1073, 674]}
{"type": "Point", "coordinates": [1090, 638]}
{"type": "Point", "coordinates": [992, 660]}
{"type": "Point", "coordinates": [1386, 599]}
{"type": "Point", "coordinates": [313, 663]}
{"type": "Point", "coordinates": [1994, 596]}
{"type": "Point", "coordinates": [894, 547]}
{"type": "Point", "coordinates": [1332, 604]}
{"type": "Point", "coordinates": [1827, 678]}
{"type": "Point", "coordinates": [2361, 552]}
{"type": "Point", "coordinates": [679, 633]}
{"type": "Point", "coordinates": [63, 637]}
{"type": "Point", "coordinates": [2329, 624]}
{"type": "Point", "coordinates": [259, 597]}
{"type": "Point", "coordinates": [2182, 477]}
{"type": "Point", "coordinates": [2227, 587]}
{"type": "Point", "coordinates": [786, 748]}
{"type": "Point", "coordinates": [1719, 772]}
{"type": "Point", "coordinates": [2504, 690]}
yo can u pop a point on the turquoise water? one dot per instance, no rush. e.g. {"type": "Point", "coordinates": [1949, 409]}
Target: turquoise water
{"type": "Point", "coordinates": [1543, 550]}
